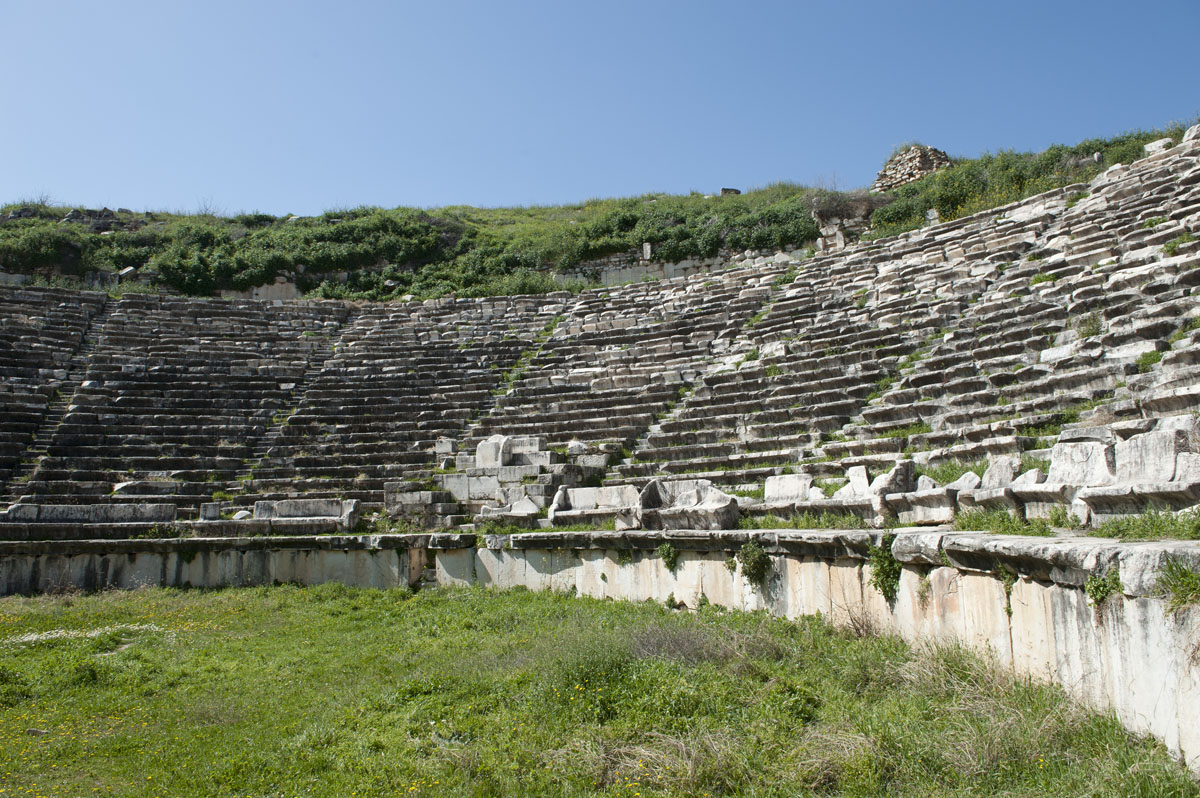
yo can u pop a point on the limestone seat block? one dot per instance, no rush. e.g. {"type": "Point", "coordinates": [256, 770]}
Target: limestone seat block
{"type": "Point", "coordinates": [687, 504]}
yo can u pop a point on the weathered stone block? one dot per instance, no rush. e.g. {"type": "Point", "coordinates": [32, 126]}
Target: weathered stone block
{"type": "Point", "coordinates": [493, 452]}
{"type": "Point", "coordinates": [1082, 463]}
{"type": "Point", "coordinates": [788, 488]}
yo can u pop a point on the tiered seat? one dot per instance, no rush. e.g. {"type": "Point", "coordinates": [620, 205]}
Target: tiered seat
{"type": "Point", "coordinates": [1073, 303]}
{"type": "Point", "coordinates": [621, 358]}
{"type": "Point", "coordinates": [40, 332]}
{"type": "Point", "coordinates": [401, 377]}
{"type": "Point", "coordinates": [981, 337]}
{"type": "Point", "coordinates": [174, 397]}
{"type": "Point", "coordinates": [795, 376]}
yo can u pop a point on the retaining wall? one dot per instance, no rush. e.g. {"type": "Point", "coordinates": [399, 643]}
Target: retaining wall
{"type": "Point", "coordinates": [358, 560]}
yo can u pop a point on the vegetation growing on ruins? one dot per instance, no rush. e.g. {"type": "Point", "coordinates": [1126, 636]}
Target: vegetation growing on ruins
{"type": "Point", "coordinates": [466, 692]}
{"type": "Point", "coordinates": [804, 520]}
{"type": "Point", "coordinates": [1001, 523]}
{"type": "Point", "coordinates": [1153, 525]}
{"type": "Point", "coordinates": [885, 568]}
{"type": "Point", "coordinates": [385, 254]}
{"type": "Point", "coordinates": [755, 562]}
{"type": "Point", "coordinates": [1172, 246]}
{"type": "Point", "coordinates": [669, 555]}
{"type": "Point", "coordinates": [972, 185]}
{"type": "Point", "coordinates": [1179, 583]}
{"type": "Point", "coordinates": [948, 471]}
{"type": "Point", "coordinates": [1100, 589]}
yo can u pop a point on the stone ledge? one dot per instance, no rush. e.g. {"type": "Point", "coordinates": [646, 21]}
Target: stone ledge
{"type": "Point", "coordinates": [173, 545]}
{"type": "Point", "coordinates": [1066, 560]}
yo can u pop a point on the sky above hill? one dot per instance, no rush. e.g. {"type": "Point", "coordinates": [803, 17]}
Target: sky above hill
{"type": "Point", "coordinates": [303, 106]}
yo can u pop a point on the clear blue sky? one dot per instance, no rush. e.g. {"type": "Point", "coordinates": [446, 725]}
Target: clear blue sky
{"type": "Point", "coordinates": [301, 106]}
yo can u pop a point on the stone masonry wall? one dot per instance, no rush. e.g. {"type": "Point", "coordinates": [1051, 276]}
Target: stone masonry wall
{"type": "Point", "coordinates": [912, 164]}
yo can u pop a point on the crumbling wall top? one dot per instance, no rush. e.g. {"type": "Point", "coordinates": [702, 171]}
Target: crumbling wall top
{"type": "Point", "coordinates": [911, 164]}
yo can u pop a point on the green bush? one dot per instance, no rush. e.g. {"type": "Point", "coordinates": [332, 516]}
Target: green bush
{"type": "Point", "coordinates": [1100, 588]}
{"type": "Point", "coordinates": [885, 568]}
{"type": "Point", "coordinates": [29, 244]}
{"type": "Point", "coordinates": [1148, 360]}
{"type": "Point", "coordinates": [755, 561]}
{"type": "Point", "coordinates": [669, 555]}
{"type": "Point", "coordinates": [377, 254]}
{"type": "Point", "coordinates": [1088, 326]}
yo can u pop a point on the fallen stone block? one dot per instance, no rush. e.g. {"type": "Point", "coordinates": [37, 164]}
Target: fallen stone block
{"type": "Point", "coordinates": [1081, 461]}
{"type": "Point", "coordinates": [687, 504]}
{"type": "Point", "coordinates": [787, 488]}
{"type": "Point", "coordinates": [523, 513]}
{"type": "Point", "coordinates": [494, 452]}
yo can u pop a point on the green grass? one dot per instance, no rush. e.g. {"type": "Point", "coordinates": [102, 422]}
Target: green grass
{"type": "Point", "coordinates": [947, 472]}
{"type": "Point", "coordinates": [805, 520]}
{"type": "Point", "coordinates": [1185, 329]}
{"type": "Point", "coordinates": [1041, 278]}
{"type": "Point", "coordinates": [918, 428]}
{"type": "Point", "coordinates": [881, 386]}
{"type": "Point", "coordinates": [333, 691]}
{"type": "Point", "coordinates": [1179, 583]}
{"type": "Point", "coordinates": [999, 522]}
{"type": "Point", "coordinates": [1152, 526]}
{"type": "Point", "coordinates": [1172, 246]}
{"type": "Point", "coordinates": [749, 493]}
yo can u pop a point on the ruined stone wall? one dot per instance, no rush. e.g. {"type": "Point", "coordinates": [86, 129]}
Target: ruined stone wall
{"type": "Point", "coordinates": [912, 164]}
{"type": "Point", "coordinates": [635, 268]}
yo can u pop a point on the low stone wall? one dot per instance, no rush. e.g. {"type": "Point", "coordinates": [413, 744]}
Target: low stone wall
{"type": "Point", "coordinates": [622, 269]}
{"type": "Point", "coordinates": [358, 560]}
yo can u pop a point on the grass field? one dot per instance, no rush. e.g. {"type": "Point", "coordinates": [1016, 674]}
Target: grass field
{"type": "Point", "coordinates": [333, 691]}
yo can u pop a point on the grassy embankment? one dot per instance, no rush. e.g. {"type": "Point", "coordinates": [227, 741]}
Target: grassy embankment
{"type": "Point", "coordinates": [479, 252]}
{"type": "Point", "coordinates": [340, 692]}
